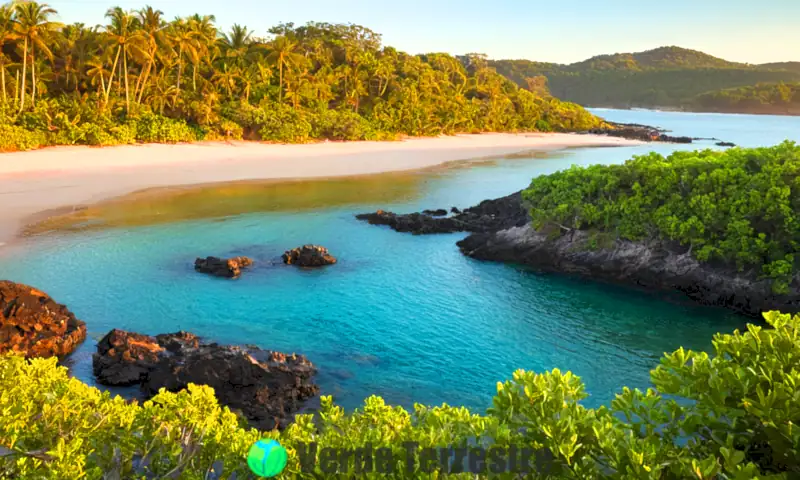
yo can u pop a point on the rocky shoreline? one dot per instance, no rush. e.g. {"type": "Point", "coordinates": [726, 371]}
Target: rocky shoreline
{"type": "Point", "coordinates": [505, 235]}
{"type": "Point", "coordinates": [266, 387]}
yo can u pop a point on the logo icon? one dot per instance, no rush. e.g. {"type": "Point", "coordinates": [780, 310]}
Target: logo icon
{"type": "Point", "coordinates": [266, 458]}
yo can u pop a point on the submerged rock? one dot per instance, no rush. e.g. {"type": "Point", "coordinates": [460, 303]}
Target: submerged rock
{"type": "Point", "coordinates": [33, 324]}
{"type": "Point", "coordinates": [652, 265]}
{"type": "Point", "coordinates": [267, 387]}
{"type": "Point", "coordinates": [228, 268]}
{"type": "Point", "coordinates": [308, 256]}
{"type": "Point", "coordinates": [488, 216]}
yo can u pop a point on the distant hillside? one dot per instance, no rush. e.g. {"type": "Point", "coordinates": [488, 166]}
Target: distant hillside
{"type": "Point", "coordinates": [666, 77]}
{"type": "Point", "coordinates": [776, 99]}
{"type": "Point", "coordinates": [791, 66]}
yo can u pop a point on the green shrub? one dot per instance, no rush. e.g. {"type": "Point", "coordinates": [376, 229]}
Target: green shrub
{"type": "Point", "coordinates": [739, 206]}
{"type": "Point", "coordinates": [730, 415]}
{"type": "Point", "coordinates": [281, 123]}
{"type": "Point", "coordinates": [14, 138]}
{"type": "Point", "coordinates": [153, 128]}
{"type": "Point", "coordinates": [341, 125]}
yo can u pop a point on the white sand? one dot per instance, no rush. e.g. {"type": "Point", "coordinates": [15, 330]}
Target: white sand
{"type": "Point", "coordinates": [32, 182]}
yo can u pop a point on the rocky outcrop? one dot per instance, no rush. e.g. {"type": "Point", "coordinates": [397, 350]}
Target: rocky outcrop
{"type": "Point", "coordinates": [267, 387]}
{"type": "Point", "coordinates": [653, 265]}
{"type": "Point", "coordinates": [725, 144]}
{"type": "Point", "coordinates": [220, 267]}
{"type": "Point", "coordinates": [441, 212]}
{"type": "Point", "coordinates": [639, 132]}
{"type": "Point", "coordinates": [488, 216]}
{"type": "Point", "coordinates": [33, 324]}
{"type": "Point", "coordinates": [124, 358]}
{"type": "Point", "coordinates": [308, 256]}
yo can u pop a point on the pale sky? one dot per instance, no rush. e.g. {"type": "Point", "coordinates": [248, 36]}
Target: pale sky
{"type": "Point", "coordinates": [562, 31]}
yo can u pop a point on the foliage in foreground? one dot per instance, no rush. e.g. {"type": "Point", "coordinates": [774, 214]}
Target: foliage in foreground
{"type": "Point", "coordinates": [74, 84]}
{"type": "Point", "coordinates": [730, 415]}
{"type": "Point", "coordinates": [739, 206]}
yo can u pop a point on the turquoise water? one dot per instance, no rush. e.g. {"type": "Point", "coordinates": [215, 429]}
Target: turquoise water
{"type": "Point", "coordinates": [405, 317]}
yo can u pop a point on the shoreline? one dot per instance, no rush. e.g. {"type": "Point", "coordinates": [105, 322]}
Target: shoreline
{"type": "Point", "coordinates": [55, 180]}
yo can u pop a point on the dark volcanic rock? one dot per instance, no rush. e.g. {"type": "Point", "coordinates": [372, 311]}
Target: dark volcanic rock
{"type": "Point", "coordinates": [726, 144]}
{"type": "Point", "coordinates": [124, 358]}
{"type": "Point", "coordinates": [267, 387]}
{"type": "Point", "coordinates": [220, 267]}
{"type": "Point", "coordinates": [435, 213]}
{"type": "Point", "coordinates": [638, 132]}
{"type": "Point", "coordinates": [308, 256]}
{"type": "Point", "coordinates": [33, 324]}
{"type": "Point", "coordinates": [488, 216]}
{"type": "Point", "coordinates": [650, 265]}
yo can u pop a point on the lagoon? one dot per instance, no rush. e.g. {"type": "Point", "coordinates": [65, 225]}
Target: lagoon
{"type": "Point", "coordinates": [401, 316]}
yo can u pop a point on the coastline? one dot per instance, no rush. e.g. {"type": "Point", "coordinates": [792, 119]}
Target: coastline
{"type": "Point", "coordinates": [49, 181]}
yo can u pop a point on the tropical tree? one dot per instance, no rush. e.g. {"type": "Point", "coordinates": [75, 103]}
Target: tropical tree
{"type": "Point", "coordinates": [236, 44]}
{"type": "Point", "coordinates": [33, 25]}
{"type": "Point", "coordinates": [8, 33]}
{"type": "Point", "coordinates": [284, 55]}
{"type": "Point", "coordinates": [123, 33]}
{"type": "Point", "coordinates": [149, 39]}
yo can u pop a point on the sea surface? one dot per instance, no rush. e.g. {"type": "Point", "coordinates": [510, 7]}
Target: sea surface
{"type": "Point", "coordinates": [405, 317]}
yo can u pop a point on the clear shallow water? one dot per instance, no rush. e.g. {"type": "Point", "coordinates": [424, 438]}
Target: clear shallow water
{"type": "Point", "coordinates": [401, 316]}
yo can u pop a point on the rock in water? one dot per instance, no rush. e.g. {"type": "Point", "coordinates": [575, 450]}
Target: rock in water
{"type": "Point", "coordinates": [267, 387]}
{"type": "Point", "coordinates": [124, 358]}
{"type": "Point", "coordinates": [33, 324]}
{"type": "Point", "coordinates": [441, 212]}
{"type": "Point", "coordinates": [308, 256]}
{"type": "Point", "coordinates": [488, 216]}
{"type": "Point", "coordinates": [220, 267]}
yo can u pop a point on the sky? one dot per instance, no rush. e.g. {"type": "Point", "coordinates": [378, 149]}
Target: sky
{"type": "Point", "coordinates": [562, 31]}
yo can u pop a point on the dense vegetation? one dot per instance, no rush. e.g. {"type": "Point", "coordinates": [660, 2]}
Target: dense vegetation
{"type": "Point", "coordinates": [143, 79]}
{"type": "Point", "coordinates": [667, 77]}
{"type": "Point", "coordinates": [731, 415]}
{"type": "Point", "coordinates": [771, 98]}
{"type": "Point", "coordinates": [738, 207]}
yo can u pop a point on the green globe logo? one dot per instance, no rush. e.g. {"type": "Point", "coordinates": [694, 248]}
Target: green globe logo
{"type": "Point", "coordinates": [266, 458]}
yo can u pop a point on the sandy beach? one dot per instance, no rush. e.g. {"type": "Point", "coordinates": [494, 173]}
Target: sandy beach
{"type": "Point", "coordinates": [67, 177]}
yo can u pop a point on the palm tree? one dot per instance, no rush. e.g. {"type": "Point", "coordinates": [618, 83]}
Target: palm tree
{"type": "Point", "coordinates": [123, 32]}
{"type": "Point", "coordinates": [97, 70]}
{"type": "Point", "coordinates": [186, 39]}
{"type": "Point", "coordinates": [284, 54]}
{"type": "Point", "coordinates": [150, 37]}
{"type": "Point", "coordinates": [236, 44]}
{"type": "Point", "coordinates": [34, 26]}
{"type": "Point", "coordinates": [206, 35]}
{"type": "Point", "coordinates": [7, 33]}
{"type": "Point", "coordinates": [77, 45]}
{"type": "Point", "coordinates": [226, 78]}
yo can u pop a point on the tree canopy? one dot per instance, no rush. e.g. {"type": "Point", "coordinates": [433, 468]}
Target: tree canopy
{"type": "Point", "coordinates": [738, 206]}
{"type": "Point", "coordinates": [771, 98]}
{"type": "Point", "coordinates": [142, 77]}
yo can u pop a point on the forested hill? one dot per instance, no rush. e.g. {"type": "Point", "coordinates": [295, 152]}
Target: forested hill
{"type": "Point", "coordinates": [143, 78]}
{"type": "Point", "coordinates": [771, 98]}
{"type": "Point", "coordinates": [667, 77]}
